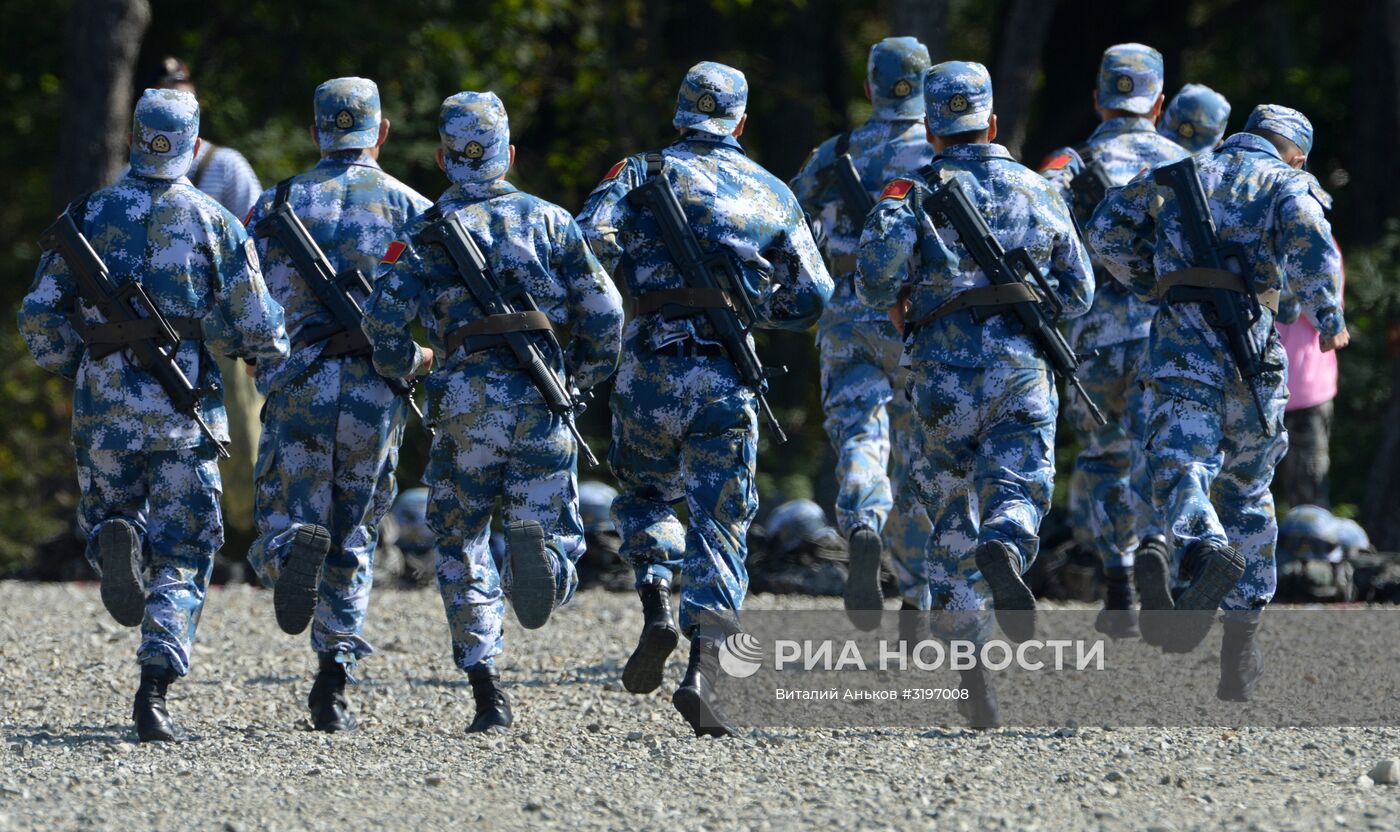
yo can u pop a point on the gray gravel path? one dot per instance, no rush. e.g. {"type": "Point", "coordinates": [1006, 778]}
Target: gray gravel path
{"type": "Point", "coordinates": [584, 754]}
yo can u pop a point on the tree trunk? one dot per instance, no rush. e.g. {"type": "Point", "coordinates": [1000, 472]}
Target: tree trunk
{"type": "Point", "coordinates": [926, 20]}
{"type": "Point", "coordinates": [102, 40]}
{"type": "Point", "coordinates": [1024, 30]}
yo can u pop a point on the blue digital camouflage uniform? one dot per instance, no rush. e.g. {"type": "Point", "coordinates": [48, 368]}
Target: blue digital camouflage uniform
{"type": "Point", "coordinates": [331, 426]}
{"type": "Point", "coordinates": [1112, 338]}
{"type": "Point", "coordinates": [1210, 463]}
{"type": "Point", "coordinates": [495, 436]}
{"type": "Point", "coordinates": [139, 459]}
{"type": "Point", "coordinates": [1195, 118]}
{"type": "Point", "coordinates": [863, 385]}
{"type": "Point", "coordinates": [983, 392]}
{"type": "Point", "coordinates": [684, 428]}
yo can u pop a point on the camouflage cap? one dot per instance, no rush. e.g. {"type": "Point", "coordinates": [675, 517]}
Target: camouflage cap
{"type": "Point", "coordinates": [347, 114]}
{"type": "Point", "coordinates": [1351, 536]}
{"type": "Point", "coordinates": [895, 71]}
{"type": "Point", "coordinates": [476, 137]}
{"type": "Point", "coordinates": [1309, 522]}
{"type": "Point", "coordinates": [164, 130]}
{"type": "Point", "coordinates": [712, 99]}
{"type": "Point", "coordinates": [1130, 78]}
{"type": "Point", "coordinates": [1286, 122]}
{"type": "Point", "coordinates": [1195, 118]}
{"type": "Point", "coordinates": [958, 97]}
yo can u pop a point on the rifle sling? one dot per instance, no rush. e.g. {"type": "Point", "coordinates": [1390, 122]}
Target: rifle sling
{"type": "Point", "coordinates": [687, 299]}
{"type": "Point", "coordinates": [108, 337]}
{"type": "Point", "coordinates": [484, 334]}
{"type": "Point", "coordinates": [1002, 294]}
{"type": "Point", "coordinates": [1203, 278]}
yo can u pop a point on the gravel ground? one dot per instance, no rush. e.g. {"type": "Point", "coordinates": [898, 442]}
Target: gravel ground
{"type": "Point", "coordinates": [583, 754]}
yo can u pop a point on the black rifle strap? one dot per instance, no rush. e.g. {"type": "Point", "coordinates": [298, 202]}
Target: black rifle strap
{"type": "Point", "coordinates": [1085, 152]}
{"type": "Point", "coordinates": [843, 144]}
{"type": "Point", "coordinates": [284, 189]}
{"type": "Point", "coordinates": [985, 297]}
{"type": "Point", "coordinates": [655, 161]}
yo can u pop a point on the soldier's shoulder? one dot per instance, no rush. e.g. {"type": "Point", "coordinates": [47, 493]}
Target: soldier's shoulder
{"type": "Point", "coordinates": [1303, 183]}
{"type": "Point", "coordinates": [205, 208]}
{"type": "Point", "coordinates": [395, 189]}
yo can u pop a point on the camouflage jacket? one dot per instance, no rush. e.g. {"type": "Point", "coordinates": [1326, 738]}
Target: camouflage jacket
{"type": "Point", "coordinates": [1022, 210]}
{"type": "Point", "coordinates": [195, 261]}
{"type": "Point", "coordinates": [351, 208]}
{"type": "Point", "coordinates": [733, 205]}
{"type": "Point", "coordinates": [1258, 201]}
{"type": "Point", "coordinates": [527, 242]}
{"type": "Point", "coordinates": [1125, 147]}
{"type": "Point", "coordinates": [882, 149]}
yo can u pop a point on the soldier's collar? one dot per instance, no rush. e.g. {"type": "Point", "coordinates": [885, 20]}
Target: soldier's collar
{"type": "Point", "coordinates": [477, 191]}
{"type": "Point", "coordinates": [710, 138]}
{"type": "Point", "coordinates": [1123, 124]}
{"type": "Point", "coordinates": [345, 158]}
{"type": "Point", "coordinates": [975, 151]}
{"type": "Point", "coordinates": [1249, 141]}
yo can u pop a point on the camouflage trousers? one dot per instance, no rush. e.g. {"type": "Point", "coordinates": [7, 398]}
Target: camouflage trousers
{"type": "Point", "coordinates": [1211, 469]}
{"type": "Point", "coordinates": [685, 430]}
{"type": "Point", "coordinates": [172, 499]}
{"type": "Point", "coordinates": [329, 447]}
{"type": "Point", "coordinates": [868, 413]}
{"type": "Point", "coordinates": [986, 473]}
{"type": "Point", "coordinates": [1111, 493]}
{"type": "Point", "coordinates": [525, 457]}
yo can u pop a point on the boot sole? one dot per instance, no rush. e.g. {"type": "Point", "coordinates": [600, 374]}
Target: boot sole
{"type": "Point", "coordinates": [294, 596]}
{"type": "Point", "coordinates": [647, 664]}
{"type": "Point", "coordinates": [863, 599]}
{"type": "Point", "coordinates": [1201, 600]}
{"type": "Point", "coordinates": [1009, 593]}
{"type": "Point", "coordinates": [703, 719]}
{"type": "Point", "coordinates": [1150, 576]}
{"type": "Point", "coordinates": [532, 584]}
{"type": "Point", "coordinates": [123, 591]}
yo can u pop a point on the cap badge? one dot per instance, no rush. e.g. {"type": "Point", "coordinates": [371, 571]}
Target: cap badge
{"type": "Point", "coordinates": [707, 103]}
{"type": "Point", "coordinates": [1124, 83]}
{"type": "Point", "coordinates": [474, 151]}
{"type": "Point", "coordinates": [902, 87]}
{"type": "Point", "coordinates": [344, 120]}
{"type": "Point", "coordinates": [1186, 130]}
{"type": "Point", "coordinates": [160, 144]}
{"type": "Point", "coordinates": [958, 103]}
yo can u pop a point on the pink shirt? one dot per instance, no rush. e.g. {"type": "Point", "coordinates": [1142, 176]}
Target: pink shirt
{"type": "Point", "coordinates": [1312, 373]}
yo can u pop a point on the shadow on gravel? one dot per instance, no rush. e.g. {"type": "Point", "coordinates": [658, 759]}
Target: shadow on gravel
{"type": "Point", "coordinates": [84, 735]}
{"type": "Point", "coordinates": [266, 679]}
{"type": "Point", "coordinates": [441, 683]}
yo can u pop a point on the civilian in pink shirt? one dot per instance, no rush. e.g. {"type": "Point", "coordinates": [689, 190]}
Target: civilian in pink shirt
{"type": "Point", "coordinates": [1312, 385]}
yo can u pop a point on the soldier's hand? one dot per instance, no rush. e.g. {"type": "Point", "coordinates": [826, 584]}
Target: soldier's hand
{"type": "Point", "coordinates": [1336, 342]}
{"type": "Point", "coordinates": [426, 365]}
{"type": "Point", "coordinates": [898, 312]}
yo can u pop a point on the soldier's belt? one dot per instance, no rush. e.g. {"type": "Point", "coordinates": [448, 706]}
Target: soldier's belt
{"type": "Point", "coordinates": [688, 301]}
{"type": "Point", "coordinates": [338, 341]}
{"type": "Point", "coordinates": [1197, 278]}
{"type": "Point", "coordinates": [845, 264]}
{"type": "Point", "coordinates": [106, 338]}
{"type": "Point", "coordinates": [485, 334]}
{"type": "Point", "coordinates": [1002, 294]}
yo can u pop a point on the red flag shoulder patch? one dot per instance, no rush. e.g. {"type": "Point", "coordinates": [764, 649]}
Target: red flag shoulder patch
{"type": "Point", "coordinates": [393, 253]}
{"type": "Point", "coordinates": [1056, 162]}
{"type": "Point", "coordinates": [898, 189]}
{"type": "Point", "coordinates": [615, 170]}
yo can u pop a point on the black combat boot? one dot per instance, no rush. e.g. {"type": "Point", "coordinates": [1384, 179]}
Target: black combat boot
{"type": "Point", "coordinates": [1015, 604]}
{"type": "Point", "coordinates": [492, 705]}
{"type": "Point", "coordinates": [1241, 660]}
{"type": "Point", "coordinates": [980, 708]}
{"type": "Point", "coordinates": [697, 698]}
{"type": "Point", "coordinates": [330, 709]}
{"type": "Point", "coordinates": [1152, 576]}
{"type": "Point", "coordinates": [913, 625]}
{"type": "Point", "coordinates": [533, 588]}
{"type": "Point", "coordinates": [298, 586]}
{"type": "Point", "coordinates": [153, 722]}
{"type": "Point", "coordinates": [1211, 571]}
{"type": "Point", "coordinates": [644, 668]}
{"type": "Point", "coordinates": [863, 599]}
{"type": "Point", "coordinates": [123, 590]}
{"type": "Point", "coordinates": [1119, 616]}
